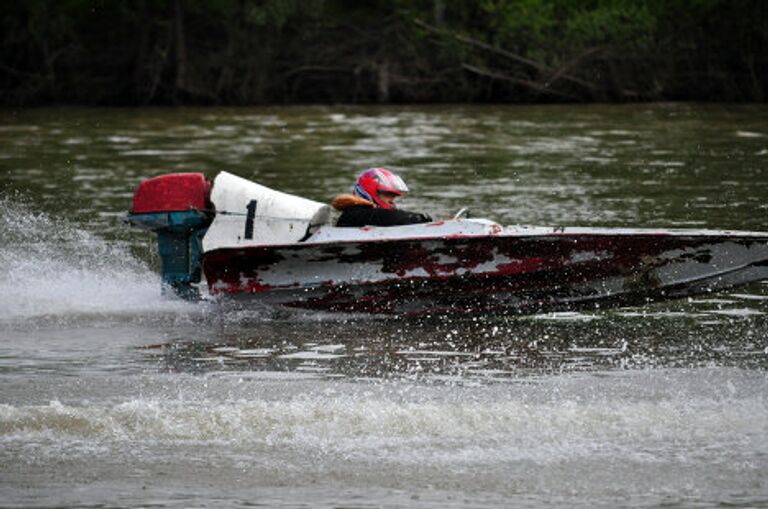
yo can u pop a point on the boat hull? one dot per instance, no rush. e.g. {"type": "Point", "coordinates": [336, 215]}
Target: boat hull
{"type": "Point", "coordinates": [522, 273]}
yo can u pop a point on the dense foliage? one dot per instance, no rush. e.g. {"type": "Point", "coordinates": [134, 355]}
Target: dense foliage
{"type": "Point", "coordinates": [285, 51]}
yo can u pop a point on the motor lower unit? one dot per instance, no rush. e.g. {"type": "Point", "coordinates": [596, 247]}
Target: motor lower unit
{"type": "Point", "coordinates": [177, 208]}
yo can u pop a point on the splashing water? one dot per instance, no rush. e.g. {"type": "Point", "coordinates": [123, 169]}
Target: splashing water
{"type": "Point", "coordinates": [645, 439]}
{"type": "Point", "coordinates": [53, 267]}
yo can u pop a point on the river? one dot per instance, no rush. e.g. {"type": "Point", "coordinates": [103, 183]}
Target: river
{"type": "Point", "coordinates": [114, 396]}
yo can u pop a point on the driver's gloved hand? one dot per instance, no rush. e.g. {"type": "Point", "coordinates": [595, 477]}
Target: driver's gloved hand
{"type": "Point", "coordinates": [426, 217]}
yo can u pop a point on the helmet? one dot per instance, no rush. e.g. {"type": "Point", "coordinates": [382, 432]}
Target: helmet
{"type": "Point", "coordinates": [374, 180]}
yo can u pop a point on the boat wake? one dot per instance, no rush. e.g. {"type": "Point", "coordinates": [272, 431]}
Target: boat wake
{"type": "Point", "coordinates": [646, 426]}
{"type": "Point", "coordinates": [54, 268]}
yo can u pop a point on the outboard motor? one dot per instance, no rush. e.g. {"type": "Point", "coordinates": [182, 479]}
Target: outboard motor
{"type": "Point", "coordinates": [177, 208]}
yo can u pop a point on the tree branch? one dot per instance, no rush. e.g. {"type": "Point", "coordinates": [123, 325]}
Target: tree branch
{"type": "Point", "coordinates": [526, 83]}
{"type": "Point", "coordinates": [512, 56]}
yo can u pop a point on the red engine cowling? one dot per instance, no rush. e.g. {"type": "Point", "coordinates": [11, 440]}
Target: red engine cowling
{"type": "Point", "coordinates": [172, 192]}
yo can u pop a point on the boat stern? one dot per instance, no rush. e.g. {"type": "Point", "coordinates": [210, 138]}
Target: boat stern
{"type": "Point", "coordinates": [176, 207]}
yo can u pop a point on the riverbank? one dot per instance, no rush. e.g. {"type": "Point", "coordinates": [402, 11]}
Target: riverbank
{"type": "Point", "coordinates": [230, 52]}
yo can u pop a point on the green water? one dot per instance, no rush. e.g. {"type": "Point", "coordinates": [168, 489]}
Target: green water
{"type": "Point", "coordinates": [639, 165]}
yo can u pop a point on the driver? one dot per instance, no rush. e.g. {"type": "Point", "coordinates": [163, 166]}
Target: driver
{"type": "Point", "coordinates": [373, 201]}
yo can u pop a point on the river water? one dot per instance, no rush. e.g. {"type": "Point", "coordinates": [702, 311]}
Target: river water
{"type": "Point", "coordinates": [113, 396]}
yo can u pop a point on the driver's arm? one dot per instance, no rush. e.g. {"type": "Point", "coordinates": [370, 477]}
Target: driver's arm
{"type": "Point", "coordinates": [369, 216]}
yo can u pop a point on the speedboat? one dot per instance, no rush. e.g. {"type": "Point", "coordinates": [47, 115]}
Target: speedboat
{"type": "Point", "coordinates": [255, 244]}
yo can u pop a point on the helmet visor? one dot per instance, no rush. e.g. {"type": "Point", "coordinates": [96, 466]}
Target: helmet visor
{"type": "Point", "coordinates": [391, 183]}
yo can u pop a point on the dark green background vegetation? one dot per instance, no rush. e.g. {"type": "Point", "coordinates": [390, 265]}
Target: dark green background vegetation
{"type": "Point", "coordinates": [121, 52]}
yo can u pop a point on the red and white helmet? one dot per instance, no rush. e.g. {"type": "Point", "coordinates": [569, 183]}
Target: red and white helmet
{"type": "Point", "coordinates": [374, 180]}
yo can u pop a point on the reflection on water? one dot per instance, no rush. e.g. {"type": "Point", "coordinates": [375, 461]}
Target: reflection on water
{"type": "Point", "coordinates": [725, 332]}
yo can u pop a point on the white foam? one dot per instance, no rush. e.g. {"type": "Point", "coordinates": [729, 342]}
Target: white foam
{"type": "Point", "coordinates": [739, 312]}
{"type": "Point", "coordinates": [437, 431]}
{"type": "Point", "coordinates": [52, 267]}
